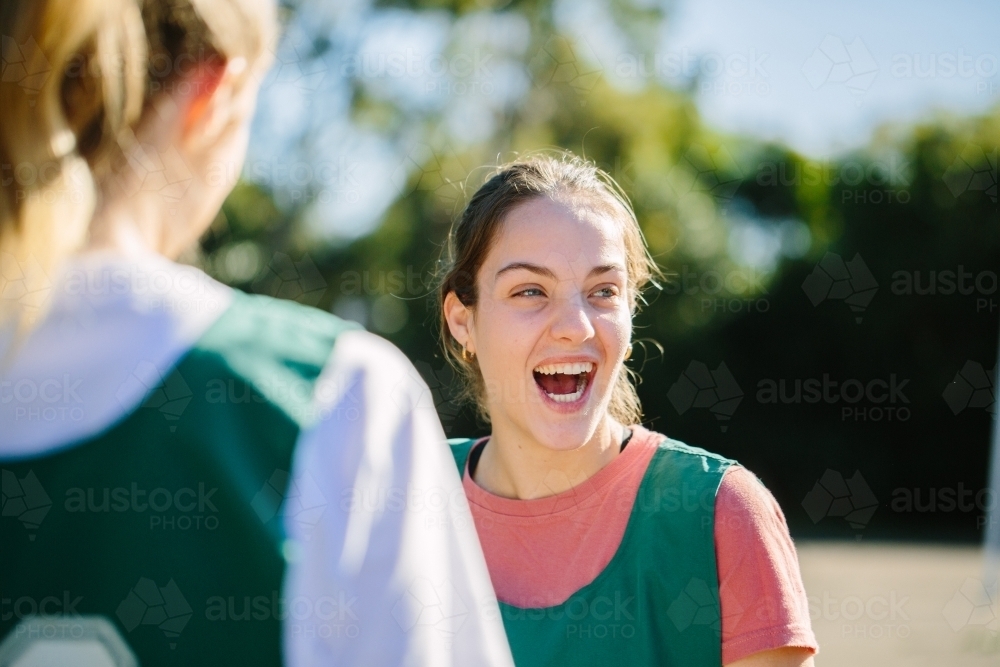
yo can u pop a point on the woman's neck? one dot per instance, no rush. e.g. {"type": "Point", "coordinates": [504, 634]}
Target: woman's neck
{"type": "Point", "coordinates": [515, 465]}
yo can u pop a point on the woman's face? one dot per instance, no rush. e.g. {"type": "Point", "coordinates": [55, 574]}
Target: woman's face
{"type": "Point", "coordinates": [553, 322]}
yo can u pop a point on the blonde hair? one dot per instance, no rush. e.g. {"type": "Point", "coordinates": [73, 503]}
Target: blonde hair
{"type": "Point", "coordinates": [79, 77]}
{"type": "Point", "coordinates": [559, 175]}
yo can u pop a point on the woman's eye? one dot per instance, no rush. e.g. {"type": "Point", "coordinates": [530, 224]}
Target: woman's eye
{"type": "Point", "coordinates": [531, 291]}
{"type": "Point", "coordinates": [607, 292]}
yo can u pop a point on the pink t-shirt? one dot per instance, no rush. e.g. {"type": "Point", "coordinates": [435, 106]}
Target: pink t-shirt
{"type": "Point", "coordinates": [539, 552]}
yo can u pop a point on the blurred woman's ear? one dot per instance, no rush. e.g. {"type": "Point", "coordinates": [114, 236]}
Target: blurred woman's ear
{"type": "Point", "coordinates": [201, 86]}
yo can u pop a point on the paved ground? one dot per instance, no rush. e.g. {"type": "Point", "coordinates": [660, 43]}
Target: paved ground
{"type": "Point", "coordinates": [883, 605]}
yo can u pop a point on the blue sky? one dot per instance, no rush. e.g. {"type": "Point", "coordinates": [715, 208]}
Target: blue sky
{"type": "Point", "coordinates": [818, 77]}
{"type": "Point", "coordinates": [925, 57]}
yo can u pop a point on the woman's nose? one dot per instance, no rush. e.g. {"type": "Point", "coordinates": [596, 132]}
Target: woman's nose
{"type": "Point", "coordinates": [571, 320]}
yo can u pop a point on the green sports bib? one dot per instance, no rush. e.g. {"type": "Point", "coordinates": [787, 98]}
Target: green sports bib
{"type": "Point", "coordinates": [168, 523]}
{"type": "Point", "coordinates": [657, 601]}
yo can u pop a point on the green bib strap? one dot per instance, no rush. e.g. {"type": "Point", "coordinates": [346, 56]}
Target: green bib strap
{"type": "Point", "coordinates": [460, 448]}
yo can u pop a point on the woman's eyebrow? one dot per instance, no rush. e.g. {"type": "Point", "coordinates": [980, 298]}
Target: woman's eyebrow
{"type": "Point", "coordinates": [542, 271]}
{"type": "Point", "coordinates": [604, 268]}
{"type": "Point", "coordinates": [527, 266]}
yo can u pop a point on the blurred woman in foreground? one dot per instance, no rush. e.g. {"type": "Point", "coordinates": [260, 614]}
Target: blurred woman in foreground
{"type": "Point", "coordinates": [606, 543]}
{"type": "Point", "coordinates": [201, 467]}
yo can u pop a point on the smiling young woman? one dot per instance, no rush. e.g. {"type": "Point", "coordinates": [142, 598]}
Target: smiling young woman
{"type": "Point", "coordinates": [606, 543]}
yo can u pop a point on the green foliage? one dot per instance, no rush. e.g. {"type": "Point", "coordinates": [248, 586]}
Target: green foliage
{"type": "Point", "coordinates": [702, 199]}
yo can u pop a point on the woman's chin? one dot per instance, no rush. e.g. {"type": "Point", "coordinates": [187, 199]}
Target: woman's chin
{"type": "Point", "coordinates": [564, 434]}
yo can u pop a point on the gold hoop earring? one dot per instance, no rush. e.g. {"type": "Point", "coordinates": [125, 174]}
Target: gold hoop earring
{"type": "Point", "coordinates": [467, 356]}
{"type": "Point", "coordinates": [628, 352]}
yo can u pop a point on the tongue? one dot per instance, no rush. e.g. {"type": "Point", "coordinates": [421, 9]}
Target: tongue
{"type": "Point", "coordinates": [557, 383]}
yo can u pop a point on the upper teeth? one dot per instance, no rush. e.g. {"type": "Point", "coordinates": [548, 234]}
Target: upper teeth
{"type": "Point", "coordinates": [565, 369]}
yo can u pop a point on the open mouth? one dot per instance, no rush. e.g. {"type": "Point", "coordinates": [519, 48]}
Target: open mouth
{"type": "Point", "coordinates": [564, 383]}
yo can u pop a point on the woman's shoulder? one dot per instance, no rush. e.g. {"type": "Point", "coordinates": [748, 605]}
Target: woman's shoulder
{"type": "Point", "coordinates": [120, 330]}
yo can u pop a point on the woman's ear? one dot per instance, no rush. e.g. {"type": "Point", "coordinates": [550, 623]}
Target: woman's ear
{"type": "Point", "coordinates": [210, 88]}
{"type": "Point", "coordinates": [459, 319]}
